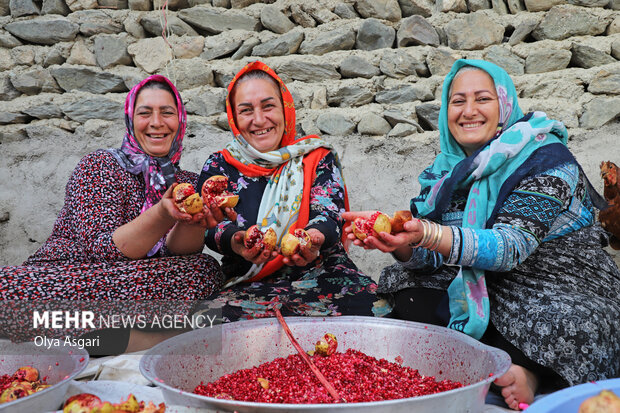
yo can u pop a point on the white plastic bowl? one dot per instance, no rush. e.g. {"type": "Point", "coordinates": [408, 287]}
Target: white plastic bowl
{"type": "Point", "coordinates": [59, 364]}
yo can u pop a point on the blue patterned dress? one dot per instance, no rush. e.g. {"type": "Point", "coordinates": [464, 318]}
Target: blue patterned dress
{"type": "Point", "coordinates": [554, 292]}
{"type": "Point", "coordinates": [332, 285]}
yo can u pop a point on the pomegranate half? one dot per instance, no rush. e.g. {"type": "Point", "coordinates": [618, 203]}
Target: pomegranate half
{"type": "Point", "coordinates": [378, 222]}
{"type": "Point", "coordinates": [186, 199]}
{"type": "Point", "coordinates": [254, 236]}
{"type": "Point", "coordinates": [291, 243]}
{"type": "Point", "coordinates": [215, 192]}
{"type": "Point", "coordinates": [399, 219]}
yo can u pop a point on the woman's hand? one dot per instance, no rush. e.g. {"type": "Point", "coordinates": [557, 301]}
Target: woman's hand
{"type": "Point", "coordinates": [399, 244]}
{"type": "Point", "coordinates": [208, 218]}
{"type": "Point", "coordinates": [412, 234]}
{"type": "Point", "coordinates": [135, 238]}
{"type": "Point", "coordinates": [169, 210]}
{"type": "Point", "coordinates": [187, 235]}
{"type": "Point", "coordinates": [257, 254]}
{"type": "Point", "coordinates": [307, 255]}
{"type": "Point", "coordinates": [214, 215]}
{"type": "Point", "coordinates": [385, 242]}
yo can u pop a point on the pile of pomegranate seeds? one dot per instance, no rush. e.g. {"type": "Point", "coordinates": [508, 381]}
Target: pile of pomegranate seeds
{"type": "Point", "coordinates": [5, 381]}
{"type": "Point", "coordinates": [356, 376]}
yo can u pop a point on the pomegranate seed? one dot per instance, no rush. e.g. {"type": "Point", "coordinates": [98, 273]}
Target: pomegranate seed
{"type": "Point", "coordinates": [356, 376]}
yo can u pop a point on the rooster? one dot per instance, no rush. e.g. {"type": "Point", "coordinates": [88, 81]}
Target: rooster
{"type": "Point", "coordinates": [610, 216]}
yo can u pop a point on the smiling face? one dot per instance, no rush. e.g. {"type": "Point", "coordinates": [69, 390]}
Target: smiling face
{"type": "Point", "coordinates": [155, 121]}
{"type": "Point", "coordinates": [258, 113]}
{"type": "Point", "coordinates": [473, 109]}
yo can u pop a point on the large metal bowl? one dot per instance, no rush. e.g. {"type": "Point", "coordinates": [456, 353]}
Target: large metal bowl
{"type": "Point", "coordinates": [59, 363]}
{"type": "Point", "coordinates": [179, 364]}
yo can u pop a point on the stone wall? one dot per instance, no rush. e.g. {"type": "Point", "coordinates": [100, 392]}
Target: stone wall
{"type": "Point", "coordinates": [365, 74]}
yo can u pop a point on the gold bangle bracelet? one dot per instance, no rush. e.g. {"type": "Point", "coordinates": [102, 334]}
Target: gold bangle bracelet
{"type": "Point", "coordinates": [432, 235]}
{"type": "Point", "coordinates": [428, 228]}
{"type": "Point", "coordinates": [437, 239]}
{"type": "Point", "coordinates": [433, 239]}
{"type": "Point", "coordinates": [425, 232]}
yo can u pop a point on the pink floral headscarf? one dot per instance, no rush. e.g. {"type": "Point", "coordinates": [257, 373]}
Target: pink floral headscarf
{"type": "Point", "coordinates": [158, 172]}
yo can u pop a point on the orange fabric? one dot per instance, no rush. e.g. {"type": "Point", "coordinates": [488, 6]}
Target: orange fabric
{"type": "Point", "coordinates": [287, 102]}
{"type": "Point", "coordinates": [310, 161]}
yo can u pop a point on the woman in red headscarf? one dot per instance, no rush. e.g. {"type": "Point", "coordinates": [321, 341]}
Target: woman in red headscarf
{"type": "Point", "coordinates": [107, 253]}
{"type": "Point", "coordinates": [283, 183]}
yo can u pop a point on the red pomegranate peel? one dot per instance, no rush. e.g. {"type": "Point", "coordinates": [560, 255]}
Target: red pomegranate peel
{"type": "Point", "coordinates": [328, 386]}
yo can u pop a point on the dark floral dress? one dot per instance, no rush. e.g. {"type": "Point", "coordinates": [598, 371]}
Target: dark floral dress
{"type": "Point", "coordinates": [80, 262]}
{"type": "Point", "coordinates": [554, 292]}
{"type": "Point", "coordinates": [331, 285]}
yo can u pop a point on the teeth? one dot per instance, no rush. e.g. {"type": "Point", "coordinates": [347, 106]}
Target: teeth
{"type": "Point", "coordinates": [472, 125]}
{"type": "Point", "coordinates": [262, 132]}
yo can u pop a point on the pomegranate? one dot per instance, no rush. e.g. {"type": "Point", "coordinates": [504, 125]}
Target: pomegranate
{"type": "Point", "coordinates": [107, 407]}
{"type": "Point", "coordinates": [5, 381]}
{"type": "Point", "coordinates": [399, 219]}
{"type": "Point", "coordinates": [254, 235]}
{"type": "Point", "coordinates": [215, 192]}
{"type": "Point", "coordinates": [291, 243]}
{"type": "Point", "coordinates": [605, 402]}
{"type": "Point", "coordinates": [131, 404]}
{"type": "Point", "coordinates": [89, 403]}
{"type": "Point", "coordinates": [24, 382]}
{"type": "Point", "coordinates": [81, 403]}
{"type": "Point", "coordinates": [15, 391]}
{"type": "Point", "coordinates": [378, 222]}
{"type": "Point", "coordinates": [27, 373]}
{"type": "Point", "coordinates": [186, 199]}
{"type": "Point", "coordinates": [326, 346]}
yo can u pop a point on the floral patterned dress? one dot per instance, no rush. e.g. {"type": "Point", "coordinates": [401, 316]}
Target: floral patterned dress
{"type": "Point", "coordinates": [331, 285]}
{"type": "Point", "coordinates": [80, 267]}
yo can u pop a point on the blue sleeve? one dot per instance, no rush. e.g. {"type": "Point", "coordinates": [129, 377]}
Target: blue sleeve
{"type": "Point", "coordinates": [424, 260]}
{"type": "Point", "coordinates": [536, 210]}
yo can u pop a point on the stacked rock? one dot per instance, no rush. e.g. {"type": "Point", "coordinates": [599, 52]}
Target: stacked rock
{"type": "Point", "coordinates": [372, 67]}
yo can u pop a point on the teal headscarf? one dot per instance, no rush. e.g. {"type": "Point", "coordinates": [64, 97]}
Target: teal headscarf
{"type": "Point", "coordinates": [523, 145]}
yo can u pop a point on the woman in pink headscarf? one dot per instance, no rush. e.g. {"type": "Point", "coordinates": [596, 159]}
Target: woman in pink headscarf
{"type": "Point", "coordinates": [108, 247]}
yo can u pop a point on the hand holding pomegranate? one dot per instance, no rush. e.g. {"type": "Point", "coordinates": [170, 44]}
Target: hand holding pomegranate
{"type": "Point", "coordinates": [187, 235]}
{"type": "Point", "coordinates": [255, 252]}
{"type": "Point", "coordinates": [303, 253]}
{"type": "Point", "coordinates": [416, 233]}
{"type": "Point", "coordinates": [173, 204]}
{"type": "Point", "coordinates": [183, 204]}
{"type": "Point", "coordinates": [412, 232]}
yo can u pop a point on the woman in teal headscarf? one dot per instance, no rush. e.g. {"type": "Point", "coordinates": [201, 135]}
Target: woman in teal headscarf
{"type": "Point", "coordinates": [505, 247]}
